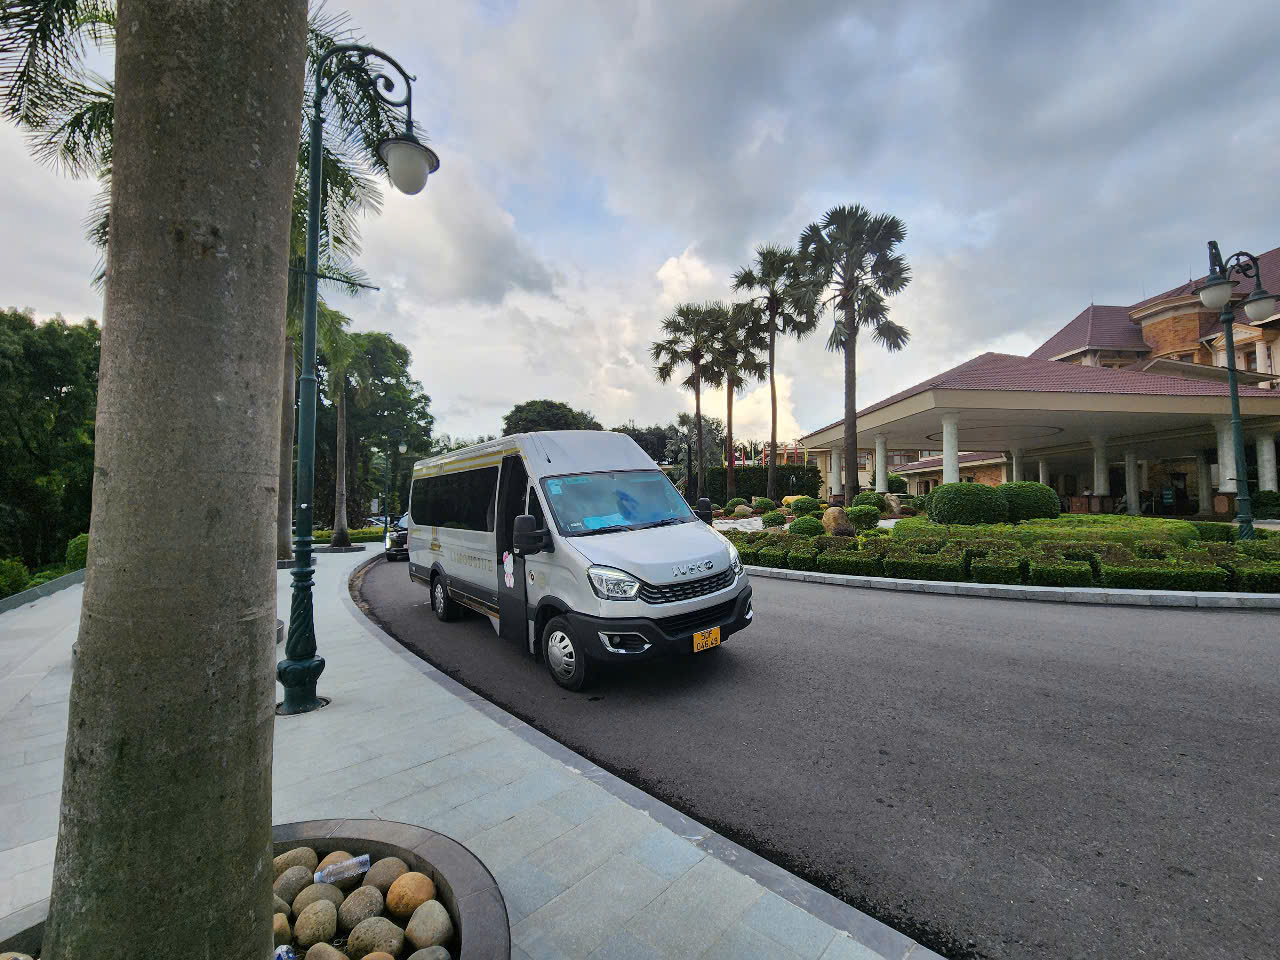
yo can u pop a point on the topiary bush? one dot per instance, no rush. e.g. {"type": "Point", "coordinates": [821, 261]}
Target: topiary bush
{"type": "Point", "coordinates": [734, 503]}
{"type": "Point", "coordinates": [772, 557]}
{"type": "Point", "coordinates": [802, 560]}
{"type": "Point", "coordinates": [77, 552]}
{"type": "Point", "coordinates": [967, 503]}
{"type": "Point", "coordinates": [858, 563]}
{"type": "Point", "coordinates": [863, 517]}
{"type": "Point", "coordinates": [1215, 532]}
{"type": "Point", "coordinates": [13, 577]}
{"type": "Point", "coordinates": [896, 483]}
{"type": "Point", "coordinates": [774, 518]}
{"type": "Point", "coordinates": [806, 527]}
{"type": "Point", "coordinates": [870, 498]}
{"type": "Point", "coordinates": [763, 503]}
{"type": "Point", "coordinates": [1029, 500]}
{"type": "Point", "coordinates": [1266, 505]}
{"type": "Point", "coordinates": [802, 506]}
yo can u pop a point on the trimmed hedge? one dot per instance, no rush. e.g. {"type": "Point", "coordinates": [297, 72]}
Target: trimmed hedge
{"type": "Point", "coordinates": [807, 527]}
{"type": "Point", "coordinates": [804, 505]}
{"type": "Point", "coordinates": [1062, 573]}
{"type": "Point", "coordinates": [1165, 575]}
{"type": "Point", "coordinates": [754, 481]}
{"type": "Point", "coordinates": [870, 498]}
{"type": "Point", "coordinates": [772, 557]}
{"type": "Point", "coordinates": [735, 502]}
{"type": "Point", "coordinates": [358, 535]}
{"type": "Point", "coordinates": [863, 517]}
{"type": "Point", "coordinates": [1028, 500]}
{"type": "Point", "coordinates": [1257, 577]}
{"type": "Point", "coordinates": [774, 518]}
{"type": "Point", "coordinates": [1219, 532]}
{"type": "Point", "coordinates": [967, 503]}
{"type": "Point", "coordinates": [803, 559]}
{"type": "Point", "coordinates": [1266, 505]}
{"type": "Point", "coordinates": [763, 503]}
{"type": "Point", "coordinates": [78, 552]}
{"type": "Point", "coordinates": [857, 563]}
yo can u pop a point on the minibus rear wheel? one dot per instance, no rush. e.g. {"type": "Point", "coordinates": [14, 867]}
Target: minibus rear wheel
{"type": "Point", "coordinates": [563, 655]}
{"type": "Point", "coordinates": [444, 606]}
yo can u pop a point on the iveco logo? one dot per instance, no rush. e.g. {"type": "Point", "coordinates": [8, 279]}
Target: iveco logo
{"type": "Point", "coordinates": [684, 569]}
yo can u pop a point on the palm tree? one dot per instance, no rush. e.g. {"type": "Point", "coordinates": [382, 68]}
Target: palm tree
{"type": "Point", "coordinates": [690, 337]}
{"type": "Point", "coordinates": [852, 255]}
{"type": "Point", "coordinates": [740, 339]}
{"type": "Point", "coordinates": [170, 715]}
{"type": "Point", "coordinates": [786, 298]}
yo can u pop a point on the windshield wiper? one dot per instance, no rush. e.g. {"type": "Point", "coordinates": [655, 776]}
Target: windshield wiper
{"type": "Point", "coordinates": [665, 523]}
{"type": "Point", "coordinates": [610, 529]}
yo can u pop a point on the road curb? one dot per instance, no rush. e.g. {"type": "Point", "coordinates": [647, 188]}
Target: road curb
{"type": "Point", "coordinates": [43, 590]}
{"type": "Point", "coordinates": [1001, 591]}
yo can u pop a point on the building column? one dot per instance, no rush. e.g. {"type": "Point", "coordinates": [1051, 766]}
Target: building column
{"type": "Point", "coordinates": [1101, 477]}
{"type": "Point", "coordinates": [1220, 358]}
{"type": "Point", "coordinates": [1145, 478]}
{"type": "Point", "coordinates": [1226, 458]}
{"type": "Point", "coordinates": [1016, 454]}
{"type": "Point", "coordinates": [1206, 483]}
{"type": "Point", "coordinates": [1131, 480]}
{"type": "Point", "coordinates": [950, 450]}
{"type": "Point", "coordinates": [1267, 461]}
{"type": "Point", "coordinates": [882, 463]}
{"type": "Point", "coordinates": [1044, 472]}
{"type": "Point", "coordinates": [1263, 354]}
{"type": "Point", "coordinates": [837, 484]}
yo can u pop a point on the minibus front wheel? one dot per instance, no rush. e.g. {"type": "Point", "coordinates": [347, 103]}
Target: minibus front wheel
{"type": "Point", "coordinates": [441, 602]}
{"type": "Point", "coordinates": [563, 655]}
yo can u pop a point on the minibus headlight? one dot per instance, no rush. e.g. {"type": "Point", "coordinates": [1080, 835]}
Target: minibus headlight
{"type": "Point", "coordinates": [735, 561]}
{"type": "Point", "coordinates": [611, 584]}
{"type": "Point", "coordinates": [388, 541]}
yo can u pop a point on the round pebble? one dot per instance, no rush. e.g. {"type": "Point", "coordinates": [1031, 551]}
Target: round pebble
{"type": "Point", "coordinates": [297, 857]}
{"type": "Point", "coordinates": [15, 956]}
{"type": "Point", "coordinates": [383, 873]}
{"type": "Point", "coordinates": [280, 929]}
{"type": "Point", "coordinates": [317, 891]}
{"type": "Point", "coordinates": [281, 906]}
{"type": "Point", "coordinates": [325, 951]}
{"type": "Point", "coordinates": [316, 923]}
{"type": "Point", "coordinates": [408, 892]}
{"type": "Point", "coordinates": [373, 935]}
{"type": "Point", "coordinates": [348, 883]}
{"type": "Point", "coordinates": [431, 953]}
{"type": "Point", "coordinates": [291, 883]}
{"type": "Point", "coordinates": [379, 956]}
{"type": "Point", "coordinates": [430, 925]}
{"type": "Point", "coordinates": [361, 904]}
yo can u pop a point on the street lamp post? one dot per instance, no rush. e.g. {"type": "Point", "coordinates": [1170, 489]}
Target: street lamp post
{"type": "Point", "coordinates": [409, 163]}
{"type": "Point", "coordinates": [1215, 294]}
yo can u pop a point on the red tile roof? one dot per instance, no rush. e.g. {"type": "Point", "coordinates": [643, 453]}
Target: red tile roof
{"type": "Point", "coordinates": [1268, 266]}
{"type": "Point", "coordinates": [1097, 327]}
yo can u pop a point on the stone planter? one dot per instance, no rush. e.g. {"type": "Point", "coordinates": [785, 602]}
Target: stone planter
{"type": "Point", "coordinates": [463, 884]}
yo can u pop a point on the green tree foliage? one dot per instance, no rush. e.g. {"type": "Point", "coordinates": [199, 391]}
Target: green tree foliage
{"type": "Point", "coordinates": [1029, 500]}
{"type": "Point", "coordinates": [652, 440]}
{"type": "Point", "coordinates": [689, 340]}
{"type": "Point", "coordinates": [741, 339]}
{"type": "Point", "coordinates": [48, 400]}
{"type": "Point", "coordinates": [967, 503]}
{"type": "Point", "coordinates": [534, 415]}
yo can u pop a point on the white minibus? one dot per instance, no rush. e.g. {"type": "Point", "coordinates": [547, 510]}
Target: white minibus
{"type": "Point", "coordinates": [575, 544]}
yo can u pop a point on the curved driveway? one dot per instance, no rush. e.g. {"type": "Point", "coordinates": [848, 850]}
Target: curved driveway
{"type": "Point", "coordinates": [994, 778]}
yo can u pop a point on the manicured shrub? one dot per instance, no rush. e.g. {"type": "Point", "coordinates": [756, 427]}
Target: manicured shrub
{"type": "Point", "coordinates": [1266, 505]}
{"type": "Point", "coordinates": [871, 498]}
{"type": "Point", "coordinates": [772, 557]}
{"type": "Point", "coordinates": [735, 502]}
{"type": "Point", "coordinates": [715, 507]}
{"type": "Point", "coordinates": [998, 568]}
{"type": "Point", "coordinates": [967, 503]}
{"type": "Point", "coordinates": [749, 555]}
{"type": "Point", "coordinates": [1028, 500]}
{"type": "Point", "coordinates": [1260, 549]}
{"type": "Point", "coordinates": [896, 483]}
{"type": "Point", "coordinates": [807, 527]}
{"type": "Point", "coordinates": [774, 518]}
{"type": "Point", "coordinates": [831, 542]}
{"type": "Point", "coordinates": [922, 503]}
{"type": "Point", "coordinates": [803, 559]}
{"type": "Point", "coordinates": [77, 552]}
{"type": "Point", "coordinates": [804, 505]}
{"type": "Point", "coordinates": [754, 481]}
{"type": "Point", "coordinates": [817, 514]}
{"type": "Point", "coordinates": [936, 566]}
{"type": "Point", "coordinates": [13, 577]}
{"type": "Point", "coordinates": [1164, 575]}
{"type": "Point", "coordinates": [763, 503]}
{"type": "Point", "coordinates": [1257, 577]}
{"type": "Point", "coordinates": [877, 532]}
{"type": "Point", "coordinates": [863, 517]}
{"type": "Point", "coordinates": [857, 563]}
{"type": "Point", "coordinates": [1218, 532]}
{"type": "Point", "coordinates": [907, 510]}
{"type": "Point", "coordinates": [44, 576]}
{"type": "Point", "coordinates": [1061, 573]}
{"type": "Point", "coordinates": [359, 535]}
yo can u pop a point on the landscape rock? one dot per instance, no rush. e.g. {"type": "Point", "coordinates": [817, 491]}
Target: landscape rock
{"type": "Point", "coordinates": [431, 953]}
{"type": "Point", "coordinates": [317, 891]}
{"type": "Point", "coordinates": [894, 504]}
{"type": "Point", "coordinates": [430, 925]}
{"type": "Point", "coordinates": [742, 510]}
{"type": "Point", "coordinates": [291, 883]}
{"type": "Point", "coordinates": [15, 956]}
{"type": "Point", "coordinates": [325, 951]}
{"type": "Point", "coordinates": [361, 904]}
{"type": "Point", "coordinates": [280, 931]}
{"type": "Point", "coordinates": [281, 907]}
{"type": "Point", "coordinates": [383, 873]}
{"type": "Point", "coordinates": [297, 857]}
{"type": "Point", "coordinates": [836, 522]}
{"type": "Point", "coordinates": [373, 935]}
{"type": "Point", "coordinates": [347, 884]}
{"type": "Point", "coordinates": [379, 956]}
{"type": "Point", "coordinates": [408, 892]}
{"type": "Point", "coordinates": [317, 923]}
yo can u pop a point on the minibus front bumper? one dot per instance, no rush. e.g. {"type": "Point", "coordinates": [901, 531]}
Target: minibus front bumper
{"type": "Point", "coordinates": [620, 639]}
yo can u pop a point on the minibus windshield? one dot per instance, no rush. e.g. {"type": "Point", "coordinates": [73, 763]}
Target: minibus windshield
{"type": "Point", "coordinates": [590, 503]}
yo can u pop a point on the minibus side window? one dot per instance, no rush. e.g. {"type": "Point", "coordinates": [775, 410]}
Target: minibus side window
{"type": "Point", "coordinates": [535, 508]}
{"type": "Point", "coordinates": [456, 501]}
{"type": "Point", "coordinates": [418, 501]}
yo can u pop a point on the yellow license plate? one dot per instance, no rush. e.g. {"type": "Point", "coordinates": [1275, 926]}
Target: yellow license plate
{"type": "Point", "coordinates": [705, 639]}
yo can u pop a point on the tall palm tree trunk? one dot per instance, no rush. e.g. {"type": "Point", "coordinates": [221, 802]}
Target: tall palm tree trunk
{"type": "Point", "coordinates": [341, 536]}
{"type": "Point", "coordinates": [697, 426]}
{"type": "Point", "coordinates": [771, 484]}
{"type": "Point", "coordinates": [851, 409]}
{"type": "Point", "coordinates": [166, 794]}
{"type": "Point", "coordinates": [284, 514]}
{"type": "Point", "coordinates": [728, 444]}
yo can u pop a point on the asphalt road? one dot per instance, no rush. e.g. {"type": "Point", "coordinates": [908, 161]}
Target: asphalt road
{"type": "Point", "coordinates": [994, 778]}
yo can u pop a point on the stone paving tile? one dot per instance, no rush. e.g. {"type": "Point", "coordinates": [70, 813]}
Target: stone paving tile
{"type": "Point", "coordinates": [474, 816]}
{"type": "Point", "coordinates": [741, 942]}
{"type": "Point", "coordinates": [421, 806]}
{"type": "Point", "coordinates": [515, 838]}
{"type": "Point", "coordinates": [696, 909]}
{"type": "Point", "coordinates": [587, 846]}
{"type": "Point", "coordinates": [33, 818]}
{"type": "Point", "coordinates": [624, 946]}
{"type": "Point", "coordinates": [25, 887]}
{"type": "Point", "coordinates": [844, 948]}
{"type": "Point", "coordinates": [29, 855]}
{"type": "Point", "coordinates": [666, 854]}
{"type": "Point", "coordinates": [580, 802]}
{"type": "Point", "coordinates": [525, 888]}
{"type": "Point", "coordinates": [784, 922]}
{"type": "Point", "coordinates": [579, 920]}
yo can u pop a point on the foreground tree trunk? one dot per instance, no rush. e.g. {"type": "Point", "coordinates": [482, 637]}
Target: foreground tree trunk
{"type": "Point", "coordinates": [851, 411]}
{"type": "Point", "coordinates": [341, 535]}
{"type": "Point", "coordinates": [284, 515]}
{"type": "Point", "coordinates": [165, 832]}
{"type": "Point", "coordinates": [771, 483]}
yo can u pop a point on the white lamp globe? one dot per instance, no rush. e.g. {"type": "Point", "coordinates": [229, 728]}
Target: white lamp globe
{"type": "Point", "coordinates": [404, 447]}
{"type": "Point", "coordinates": [1215, 292]}
{"type": "Point", "coordinates": [1259, 305]}
{"type": "Point", "coordinates": [408, 163]}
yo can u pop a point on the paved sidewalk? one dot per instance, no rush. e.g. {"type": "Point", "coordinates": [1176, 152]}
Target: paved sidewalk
{"type": "Point", "coordinates": [589, 866]}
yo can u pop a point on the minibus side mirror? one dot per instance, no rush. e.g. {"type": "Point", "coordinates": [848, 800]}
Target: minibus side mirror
{"type": "Point", "coordinates": [526, 538]}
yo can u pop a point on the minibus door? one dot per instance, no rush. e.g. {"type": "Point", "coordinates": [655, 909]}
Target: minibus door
{"type": "Point", "coordinates": [512, 612]}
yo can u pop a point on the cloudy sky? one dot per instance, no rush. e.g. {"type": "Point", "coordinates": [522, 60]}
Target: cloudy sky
{"type": "Point", "coordinates": [602, 162]}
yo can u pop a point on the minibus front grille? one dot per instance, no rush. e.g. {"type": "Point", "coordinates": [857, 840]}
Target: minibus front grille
{"type": "Point", "coordinates": [686, 590]}
{"type": "Point", "coordinates": [683, 623]}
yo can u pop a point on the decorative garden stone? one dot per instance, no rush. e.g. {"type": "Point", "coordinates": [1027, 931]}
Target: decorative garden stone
{"type": "Point", "coordinates": [409, 892]}
{"type": "Point", "coordinates": [291, 883]}
{"type": "Point", "coordinates": [430, 925]}
{"type": "Point", "coordinates": [317, 891]}
{"type": "Point", "coordinates": [361, 904]}
{"type": "Point", "coordinates": [372, 935]}
{"type": "Point", "coordinates": [383, 873]}
{"type": "Point", "coordinates": [297, 857]}
{"type": "Point", "coordinates": [315, 924]}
